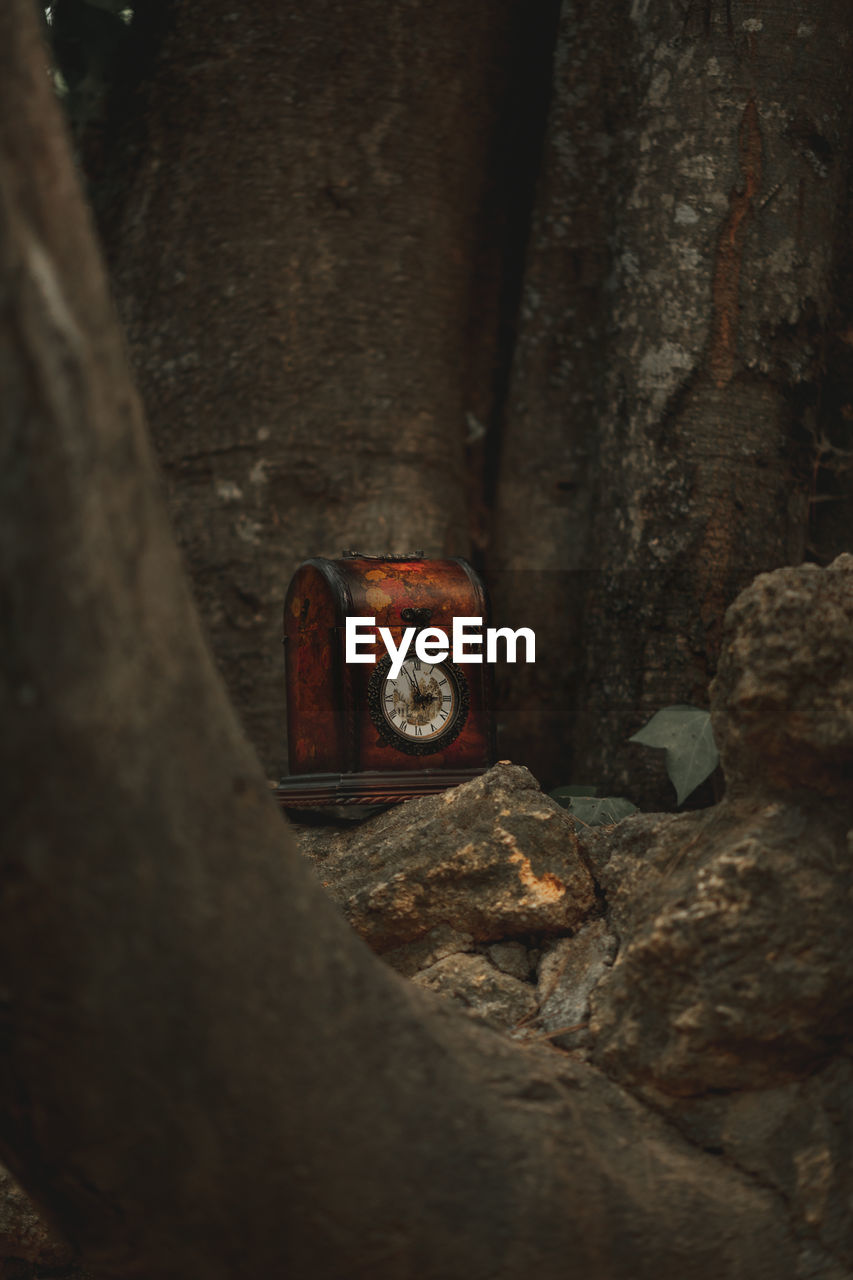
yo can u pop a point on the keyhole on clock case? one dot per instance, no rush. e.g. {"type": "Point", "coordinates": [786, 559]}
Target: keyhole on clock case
{"type": "Point", "coordinates": [417, 617]}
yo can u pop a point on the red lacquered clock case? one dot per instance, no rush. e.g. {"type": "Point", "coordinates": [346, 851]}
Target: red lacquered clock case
{"type": "Point", "coordinates": [337, 754]}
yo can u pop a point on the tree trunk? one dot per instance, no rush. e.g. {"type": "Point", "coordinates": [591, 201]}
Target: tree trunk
{"type": "Point", "coordinates": [725, 243]}
{"type": "Point", "coordinates": [539, 554]}
{"type": "Point", "coordinates": [202, 1071]}
{"type": "Point", "coordinates": [294, 261]}
{"type": "Point", "coordinates": [830, 530]}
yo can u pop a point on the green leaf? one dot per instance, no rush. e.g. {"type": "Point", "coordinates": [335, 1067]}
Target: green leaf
{"type": "Point", "coordinates": [598, 812]}
{"type": "Point", "coordinates": [592, 810]}
{"type": "Point", "coordinates": [691, 753]}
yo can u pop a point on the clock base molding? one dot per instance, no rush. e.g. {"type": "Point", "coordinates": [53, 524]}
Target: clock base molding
{"type": "Point", "coordinates": [373, 787]}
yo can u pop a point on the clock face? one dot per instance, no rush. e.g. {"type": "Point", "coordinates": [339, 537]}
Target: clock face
{"type": "Point", "coordinates": [422, 709]}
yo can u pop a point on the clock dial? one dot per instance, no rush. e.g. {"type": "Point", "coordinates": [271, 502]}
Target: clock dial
{"type": "Point", "coordinates": [422, 709]}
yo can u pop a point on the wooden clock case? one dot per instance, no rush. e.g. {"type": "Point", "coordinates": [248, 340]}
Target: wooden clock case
{"type": "Point", "coordinates": [336, 753]}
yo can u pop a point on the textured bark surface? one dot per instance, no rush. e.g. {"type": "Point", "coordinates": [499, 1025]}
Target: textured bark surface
{"type": "Point", "coordinates": [831, 477]}
{"type": "Point", "coordinates": [539, 548]}
{"type": "Point", "coordinates": [722, 289]}
{"type": "Point", "coordinates": [295, 260]}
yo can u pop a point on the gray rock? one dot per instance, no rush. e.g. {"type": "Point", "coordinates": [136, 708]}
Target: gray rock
{"type": "Point", "coordinates": [493, 858]}
{"type": "Point", "coordinates": [782, 701]}
{"type": "Point", "coordinates": [440, 942]}
{"type": "Point", "coordinates": [478, 986]}
{"type": "Point", "coordinates": [736, 962]}
{"type": "Point", "coordinates": [628, 842]}
{"type": "Point", "coordinates": [569, 972]}
{"type": "Point", "coordinates": [512, 958]}
{"type": "Point", "coordinates": [735, 969]}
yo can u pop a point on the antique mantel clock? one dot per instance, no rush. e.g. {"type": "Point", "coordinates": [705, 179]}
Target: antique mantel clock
{"type": "Point", "coordinates": [377, 731]}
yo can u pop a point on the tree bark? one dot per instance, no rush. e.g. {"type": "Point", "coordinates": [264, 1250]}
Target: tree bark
{"type": "Point", "coordinates": [725, 244]}
{"type": "Point", "coordinates": [539, 555]}
{"type": "Point", "coordinates": [830, 529]}
{"type": "Point", "coordinates": [293, 247]}
{"type": "Point", "coordinates": [202, 1071]}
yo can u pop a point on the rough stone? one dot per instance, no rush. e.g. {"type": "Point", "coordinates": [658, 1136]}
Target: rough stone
{"type": "Point", "coordinates": [440, 942]}
{"type": "Point", "coordinates": [512, 958]}
{"type": "Point", "coordinates": [477, 985]}
{"type": "Point", "coordinates": [568, 973]}
{"type": "Point", "coordinates": [736, 963]}
{"type": "Point", "coordinates": [493, 858]}
{"type": "Point", "coordinates": [782, 701]}
{"type": "Point", "coordinates": [614, 853]}
{"type": "Point", "coordinates": [735, 968]}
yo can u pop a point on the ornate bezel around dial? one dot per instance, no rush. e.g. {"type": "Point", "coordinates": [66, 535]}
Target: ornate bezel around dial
{"type": "Point", "coordinates": [392, 736]}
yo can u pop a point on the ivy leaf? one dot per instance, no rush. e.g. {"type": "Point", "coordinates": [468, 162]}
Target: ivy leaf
{"type": "Point", "coordinates": [592, 810]}
{"type": "Point", "coordinates": [691, 753]}
{"type": "Point", "coordinates": [601, 811]}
